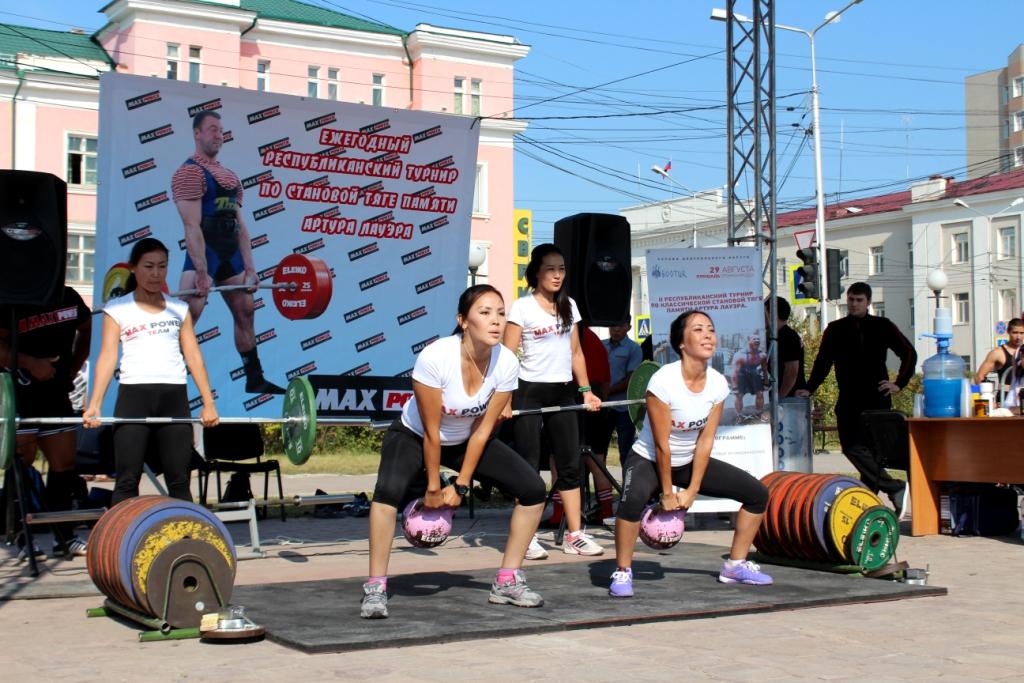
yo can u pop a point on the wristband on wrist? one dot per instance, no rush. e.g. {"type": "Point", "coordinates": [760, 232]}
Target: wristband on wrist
{"type": "Point", "coordinates": [584, 389]}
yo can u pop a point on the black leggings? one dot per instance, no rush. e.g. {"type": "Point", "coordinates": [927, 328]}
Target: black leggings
{"type": "Point", "coordinates": [721, 480]}
{"type": "Point", "coordinates": [132, 441]}
{"type": "Point", "coordinates": [563, 429]}
{"type": "Point", "coordinates": [401, 464]}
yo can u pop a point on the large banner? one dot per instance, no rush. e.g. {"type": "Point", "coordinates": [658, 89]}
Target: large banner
{"type": "Point", "coordinates": [363, 211]}
{"type": "Point", "coordinates": [725, 283]}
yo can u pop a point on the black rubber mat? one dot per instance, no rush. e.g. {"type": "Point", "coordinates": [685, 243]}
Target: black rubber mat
{"type": "Point", "coordinates": [432, 607]}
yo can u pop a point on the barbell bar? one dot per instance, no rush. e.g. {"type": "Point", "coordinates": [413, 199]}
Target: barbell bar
{"type": "Point", "coordinates": [340, 421]}
{"type": "Point", "coordinates": [285, 286]}
{"type": "Point", "coordinates": [579, 406]}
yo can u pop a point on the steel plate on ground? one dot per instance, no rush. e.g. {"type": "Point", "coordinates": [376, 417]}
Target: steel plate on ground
{"type": "Point", "coordinates": [299, 436]}
{"type": "Point", "coordinates": [874, 538]}
{"type": "Point", "coordinates": [191, 578]}
{"type": "Point", "coordinates": [849, 505]}
{"type": "Point", "coordinates": [822, 503]}
{"type": "Point", "coordinates": [637, 390]}
{"type": "Point", "coordinates": [9, 430]}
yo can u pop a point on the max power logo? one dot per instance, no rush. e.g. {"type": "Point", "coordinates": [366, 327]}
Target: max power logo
{"type": "Point", "coordinates": [309, 247]}
{"type": "Point", "coordinates": [156, 133]}
{"type": "Point", "coordinates": [269, 210]}
{"type": "Point", "coordinates": [301, 370]}
{"type": "Point", "coordinates": [142, 100]}
{"type": "Point", "coordinates": [283, 143]}
{"type": "Point", "coordinates": [359, 253]}
{"type": "Point", "coordinates": [209, 105]}
{"type": "Point", "coordinates": [412, 315]}
{"type": "Point", "coordinates": [266, 336]}
{"type": "Point", "coordinates": [254, 180]}
{"type": "Point", "coordinates": [370, 342]}
{"type": "Point", "coordinates": [357, 313]}
{"type": "Point", "coordinates": [209, 334]}
{"type": "Point", "coordinates": [138, 167]}
{"type": "Point", "coordinates": [151, 201]}
{"type": "Point", "coordinates": [430, 226]}
{"type": "Point", "coordinates": [376, 127]}
{"type": "Point", "coordinates": [426, 134]}
{"type": "Point", "coordinates": [419, 346]}
{"type": "Point", "coordinates": [263, 114]}
{"type": "Point", "coordinates": [321, 121]}
{"type": "Point", "coordinates": [194, 403]}
{"type": "Point", "coordinates": [253, 403]}
{"type": "Point", "coordinates": [134, 236]}
{"type": "Point", "coordinates": [427, 285]}
{"type": "Point", "coordinates": [357, 370]}
{"type": "Point", "coordinates": [378, 279]}
{"type": "Point", "coordinates": [266, 273]}
{"type": "Point", "coordinates": [422, 252]}
{"type": "Point", "coordinates": [259, 241]}
{"type": "Point", "coordinates": [315, 340]}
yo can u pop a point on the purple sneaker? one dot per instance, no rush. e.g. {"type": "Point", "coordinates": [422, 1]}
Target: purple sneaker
{"type": "Point", "coordinates": [622, 584]}
{"type": "Point", "coordinates": [744, 572]}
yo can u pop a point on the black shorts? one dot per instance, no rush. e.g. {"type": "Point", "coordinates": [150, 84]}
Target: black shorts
{"type": "Point", "coordinates": [43, 399]}
{"type": "Point", "coordinates": [750, 382]}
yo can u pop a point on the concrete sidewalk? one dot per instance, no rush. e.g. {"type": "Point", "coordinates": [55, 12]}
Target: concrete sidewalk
{"type": "Point", "coordinates": [974, 633]}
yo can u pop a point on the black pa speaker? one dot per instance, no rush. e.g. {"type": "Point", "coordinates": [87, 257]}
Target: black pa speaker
{"type": "Point", "coordinates": [33, 237]}
{"type": "Point", "coordinates": [597, 264]}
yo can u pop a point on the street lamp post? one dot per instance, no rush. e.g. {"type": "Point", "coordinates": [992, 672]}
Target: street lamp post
{"type": "Point", "coordinates": [693, 196]}
{"type": "Point", "coordinates": [477, 256]}
{"type": "Point", "coordinates": [819, 191]}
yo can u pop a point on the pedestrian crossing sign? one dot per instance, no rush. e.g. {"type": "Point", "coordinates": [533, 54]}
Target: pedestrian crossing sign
{"type": "Point", "coordinates": [643, 327]}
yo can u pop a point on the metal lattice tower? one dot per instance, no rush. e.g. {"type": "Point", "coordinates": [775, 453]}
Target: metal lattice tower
{"type": "Point", "coordinates": [750, 130]}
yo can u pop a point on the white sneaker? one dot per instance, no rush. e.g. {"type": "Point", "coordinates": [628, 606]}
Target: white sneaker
{"type": "Point", "coordinates": [536, 550]}
{"type": "Point", "coordinates": [580, 544]}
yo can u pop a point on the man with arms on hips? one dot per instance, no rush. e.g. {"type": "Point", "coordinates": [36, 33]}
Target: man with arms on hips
{"type": "Point", "coordinates": [209, 199]}
{"type": "Point", "coordinates": [1008, 362]}
{"type": "Point", "coordinates": [857, 345]}
{"type": "Point", "coordinates": [53, 345]}
{"type": "Point", "coordinates": [791, 351]}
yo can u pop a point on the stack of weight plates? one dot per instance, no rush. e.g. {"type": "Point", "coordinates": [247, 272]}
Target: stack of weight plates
{"type": "Point", "coordinates": [826, 518]}
{"type": "Point", "coordinates": [164, 558]}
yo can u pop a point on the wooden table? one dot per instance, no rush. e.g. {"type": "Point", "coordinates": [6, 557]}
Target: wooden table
{"type": "Point", "coordinates": [973, 449]}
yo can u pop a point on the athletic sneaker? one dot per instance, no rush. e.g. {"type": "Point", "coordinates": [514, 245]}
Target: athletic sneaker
{"type": "Point", "coordinates": [536, 550]}
{"type": "Point", "coordinates": [76, 547]}
{"type": "Point", "coordinates": [622, 584]}
{"type": "Point", "coordinates": [514, 593]}
{"type": "Point", "coordinates": [744, 572]}
{"type": "Point", "coordinates": [375, 601]}
{"type": "Point", "coordinates": [901, 501]}
{"type": "Point", "coordinates": [39, 554]}
{"type": "Point", "coordinates": [579, 543]}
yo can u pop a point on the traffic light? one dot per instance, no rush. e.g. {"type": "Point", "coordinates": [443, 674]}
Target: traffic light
{"type": "Point", "coordinates": [810, 282]}
{"type": "Point", "coordinates": [833, 273]}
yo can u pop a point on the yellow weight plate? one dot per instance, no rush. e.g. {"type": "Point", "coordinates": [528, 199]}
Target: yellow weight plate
{"type": "Point", "coordinates": [849, 505]}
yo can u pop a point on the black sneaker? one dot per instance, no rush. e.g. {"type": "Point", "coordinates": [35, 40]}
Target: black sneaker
{"type": "Point", "coordinates": [76, 547]}
{"type": "Point", "coordinates": [260, 385]}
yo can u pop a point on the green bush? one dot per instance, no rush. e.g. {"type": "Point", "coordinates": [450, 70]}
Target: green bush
{"type": "Point", "coordinates": [328, 439]}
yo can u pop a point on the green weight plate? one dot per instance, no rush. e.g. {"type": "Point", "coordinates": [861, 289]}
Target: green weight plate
{"type": "Point", "coordinates": [8, 429]}
{"type": "Point", "coordinates": [874, 537]}
{"type": "Point", "coordinates": [299, 436]}
{"type": "Point", "coordinates": [637, 390]}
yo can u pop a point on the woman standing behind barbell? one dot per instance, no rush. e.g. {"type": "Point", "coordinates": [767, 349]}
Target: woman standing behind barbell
{"type": "Point", "coordinates": [158, 342]}
{"type": "Point", "coordinates": [460, 385]}
{"type": "Point", "coordinates": [545, 324]}
{"type": "Point", "coordinates": [684, 406]}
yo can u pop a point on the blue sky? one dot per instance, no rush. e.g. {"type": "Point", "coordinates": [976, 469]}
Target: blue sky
{"type": "Point", "coordinates": [891, 76]}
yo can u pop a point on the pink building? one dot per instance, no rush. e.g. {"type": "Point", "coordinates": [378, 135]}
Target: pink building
{"type": "Point", "coordinates": [49, 90]}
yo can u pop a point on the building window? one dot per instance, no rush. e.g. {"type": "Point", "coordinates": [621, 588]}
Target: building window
{"type": "Point", "coordinates": [1018, 122]}
{"type": "Point", "coordinates": [1018, 156]}
{"type": "Point", "coordinates": [844, 263]}
{"type": "Point", "coordinates": [1006, 128]}
{"type": "Point", "coordinates": [480, 189]}
{"type": "Point", "coordinates": [194, 60]}
{"type": "Point", "coordinates": [1018, 86]}
{"type": "Point", "coordinates": [378, 90]}
{"type": "Point", "coordinates": [911, 304]}
{"type": "Point", "coordinates": [1005, 95]}
{"type": "Point", "coordinates": [910, 255]}
{"type": "Point", "coordinates": [961, 308]}
{"type": "Point", "coordinates": [263, 76]}
{"type": "Point", "coordinates": [460, 87]}
{"type": "Point", "coordinates": [1008, 304]}
{"type": "Point", "coordinates": [474, 97]}
{"type": "Point", "coordinates": [81, 251]}
{"type": "Point", "coordinates": [172, 61]}
{"type": "Point", "coordinates": [877, 261]}
{"type": "Point", "coordinates": [81, 160]}
{"type": "Point", "coordinates": [1007, 242]}
{"type": "Point", "coordinates": [332, 84]}
{"type": "Point", "coordinates": [961, 251]}
{"type": "Point", "coordinates": [878, 308]}
{"type": "Point", "coordinates": [313, 84]}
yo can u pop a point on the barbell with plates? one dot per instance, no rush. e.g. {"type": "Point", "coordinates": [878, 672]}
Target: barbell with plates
{"type": "Point", "coordinates": [302, 286]}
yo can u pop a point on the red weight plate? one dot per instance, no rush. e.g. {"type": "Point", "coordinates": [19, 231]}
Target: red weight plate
{"type": "Point", "coordinates": [796, 502]}
{"type": "Point", "coordinates": [787, 535]}
{"type": "Point", "coordinates": [776, 515]}
{"type": "Point", "coordinates": [765, 535]}
{"type": "Point", "coordinates": [324, 289]}
{"type": "Point", "coordinates": [301, 302]}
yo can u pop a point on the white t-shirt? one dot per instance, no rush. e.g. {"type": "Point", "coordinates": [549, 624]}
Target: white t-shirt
{"type": "Point", "coordinates": [547, 352]}
{"type": "Point", "coordinates": [440, 366]}
{"type": "Point", "coordinates": [690, 411]}
{"type": "Point", "coordinates": [150, 346]}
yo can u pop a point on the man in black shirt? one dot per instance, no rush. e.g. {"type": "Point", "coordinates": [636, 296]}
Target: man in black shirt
{"type": "Point", "coordinates": [791, 351]}
{"type": "Point", "coordinates": [53, 345]}
{"type": "Point", "coordinates": [857, 345]}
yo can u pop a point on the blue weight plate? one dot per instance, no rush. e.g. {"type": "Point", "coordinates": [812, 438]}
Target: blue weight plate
{"type": "Point", "coordinates": [822, 502]}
